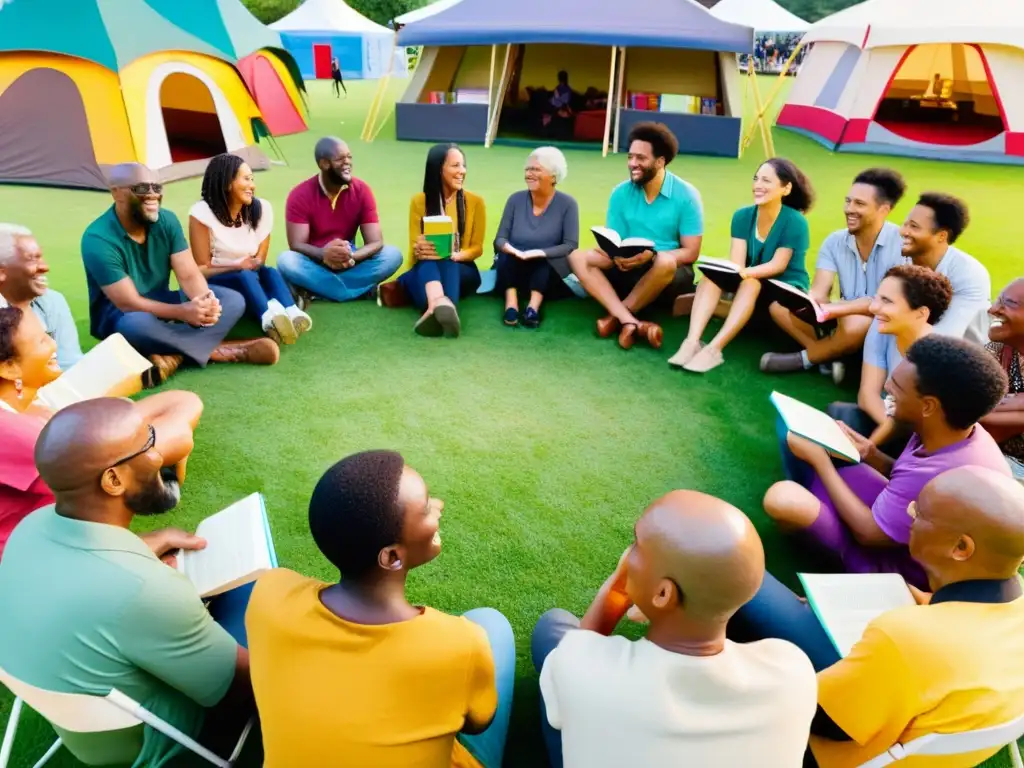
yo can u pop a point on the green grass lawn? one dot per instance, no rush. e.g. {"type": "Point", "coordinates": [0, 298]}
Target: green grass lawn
{"type": "Point", "coordinates": [545, 445]}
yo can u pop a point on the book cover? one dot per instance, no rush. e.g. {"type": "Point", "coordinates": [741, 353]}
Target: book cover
{"type": "Point", "coordinates": [816, 426]}
{"type": "Point", "coordinates": [439, 231]}
{"type": "Point", "coordinates": [110, 369]}
{"type": "Point", "coordinates": [722, 272]}
{"type": "Point", "coordinates": [617, 247]}
{"type": "Point", "coordinates": [796, 301]}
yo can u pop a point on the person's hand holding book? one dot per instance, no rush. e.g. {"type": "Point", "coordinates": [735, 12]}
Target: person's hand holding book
{"type": "Point", "coordinates": [634, 262]}
{"type": "Point", "coordinates": [805, 450]}
{"type": "Point", "coordinates": [863, 445]}
{"type": "Point", "coordinates": [166, 544]}
{"type": "Point", "coordinates": [424, 250]}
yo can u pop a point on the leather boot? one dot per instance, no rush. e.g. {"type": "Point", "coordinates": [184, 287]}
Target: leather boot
{"type": "Point", "coordinates": [163, 368]}
{"type": "Point", "coordinates": [254, 351]}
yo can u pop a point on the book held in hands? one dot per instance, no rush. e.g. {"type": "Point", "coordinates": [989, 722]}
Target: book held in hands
{"type": "Point", "coordinates": [609, 241]}
{"type": "Point", "coordinates": [796, 301]}
{"type": "Point", "coordinates": [239, 548]}
{"type": "Point", "coordinates": [438, 230]}
{"type": "Point", "coordinates": [816, 426]}
{"type": "Point", "coordinates": [722, 272]}
{"type": "Point", "coordinates": [845, 603]}
{"type": "Point", "coordinates": [110, 369]}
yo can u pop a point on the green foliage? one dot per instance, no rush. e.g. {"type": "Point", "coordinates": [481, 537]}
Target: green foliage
{"type": "Point", "coordinates": [813, 10]}
{"type": "Point", "coordinates": [381, 11]}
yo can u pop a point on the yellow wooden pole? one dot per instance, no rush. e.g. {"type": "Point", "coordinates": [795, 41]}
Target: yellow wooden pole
{"type": "Point", "coordinates": [762, 108]}
{"type": "Point", "coordinates": [499, 101]}
{"type": "Point", "coordinates": [618, 100]}
{"type": "Point", "coordinates": [490, 92]}
{"type": "Point", "coordinates": [611, 101]}
{"type": "Point", "coordinates": [382, 87]}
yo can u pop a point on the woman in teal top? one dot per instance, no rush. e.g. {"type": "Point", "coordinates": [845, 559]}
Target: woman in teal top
{"type": "Point", "coordinates": [769, 240]}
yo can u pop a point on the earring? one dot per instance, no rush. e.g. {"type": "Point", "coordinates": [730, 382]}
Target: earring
{"type": "Point", "coordinates": [17, 388]}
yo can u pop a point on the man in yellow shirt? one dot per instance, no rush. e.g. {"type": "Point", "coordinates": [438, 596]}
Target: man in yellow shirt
{"type": "Point", "coordinates": [948, 665]}
{"type": "Point", "coordinates": [350, 674]}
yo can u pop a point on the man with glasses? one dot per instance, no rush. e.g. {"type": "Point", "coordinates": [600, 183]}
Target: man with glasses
{"type": "Point", "coordinates": [89, 605]}
{"type": "Point", "coordinates": [129, 254]}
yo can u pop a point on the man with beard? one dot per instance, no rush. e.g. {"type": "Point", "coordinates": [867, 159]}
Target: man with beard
{"type": "Point", "coordinates": [24, 284]}
{"type": "Point", "coordinates": [656, 205]}
{"type": "Point", "coordinates": [89, 605]}
{"type": "Point", "coordinates": [129, 254]}
{"type": "Point", "coordinates": [859, 256]}
{"type": "Point", "coordinates": [323, 215]}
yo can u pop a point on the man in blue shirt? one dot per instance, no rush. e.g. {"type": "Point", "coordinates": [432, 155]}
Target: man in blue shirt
{"type": "Point", "coordinates": [859, 256]}
{"type": "Point", "coordinates": [656, 205]}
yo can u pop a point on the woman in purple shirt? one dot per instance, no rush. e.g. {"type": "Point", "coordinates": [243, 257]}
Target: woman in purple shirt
{"type": "Point", "coordinates": [858, 513]}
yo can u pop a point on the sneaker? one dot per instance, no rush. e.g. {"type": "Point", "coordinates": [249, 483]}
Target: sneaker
{"type": "Point", "coordinates": [531, 318]}
{"type": "Point", "coordinates": [782, 362]}
{"type": "Point", "coordinates": [838, 372]}
{"type": "Point", "coordinates": [511, 318]}
{"type": "Point", "coordinates": [277, 319]}
{"type": "Point", "coordinates": [448, 317]}
{"type": "Point", "coordinates": [300, 320]}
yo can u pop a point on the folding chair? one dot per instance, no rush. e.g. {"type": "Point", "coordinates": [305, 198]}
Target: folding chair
{"type": "Point", "coordinates": [83, 713]}
{"type": "Point", "coordinates": [956, 744]}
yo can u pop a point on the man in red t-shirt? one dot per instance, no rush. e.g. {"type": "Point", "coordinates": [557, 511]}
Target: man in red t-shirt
{"type": "Point", "coordinates": [323, 215]}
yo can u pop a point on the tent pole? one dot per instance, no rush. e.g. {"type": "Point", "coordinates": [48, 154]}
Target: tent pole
{"type": "Point", "coordinates": [610, 102]}
{"type": "Point", "coordinates": [619, 99]}
{"type": "Point", "coordinates": [490, 85]}
{"type": "Point", "coordinates": [499, 100]}
{"type": "Point", "coordinates": [762, 108]}
{"type": "Point", "coordinates": [378, 98]}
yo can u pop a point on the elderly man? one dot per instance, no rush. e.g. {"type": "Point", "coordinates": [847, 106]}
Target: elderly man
{"type": "Point", "coordinates": [89, 605]}
{"type": "Point", "coordinates": [684, 695]}
{"type": "Point", "coordinates": [129, 254]}
{"type": "Point", "coordinates": [24, 284]}
{"type": "Point", "coordinates": [951, 663]}
{"type": "Point", "coordinates": [322, 216]}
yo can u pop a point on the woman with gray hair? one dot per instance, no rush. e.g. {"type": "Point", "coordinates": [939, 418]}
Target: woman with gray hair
{"type": "Point", "coordinates": [539, 229]}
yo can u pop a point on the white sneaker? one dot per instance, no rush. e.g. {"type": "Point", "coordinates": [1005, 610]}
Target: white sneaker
{"type": "Point", "coordinates": [300, 320]}
{"type": "Point", "coordinates": [276, 319]}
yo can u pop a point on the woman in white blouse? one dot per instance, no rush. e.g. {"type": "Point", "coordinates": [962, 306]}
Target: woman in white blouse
{"type": "Point", "coordinates": [229, 231]}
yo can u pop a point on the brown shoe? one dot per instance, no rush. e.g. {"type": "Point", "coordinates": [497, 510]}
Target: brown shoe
{"type": "Point", "coordinates": [607, 326]}
{"type": "Point", "coordinates": [651, 333]}
{"type": "Point", "coordinates": [393, 294]}
{"type": "Point", "coordinates": [163, 368]}
{"type": "Point", "coordinates": [627, 336]}
{"type": "Point", "coordinates": [254, 351]}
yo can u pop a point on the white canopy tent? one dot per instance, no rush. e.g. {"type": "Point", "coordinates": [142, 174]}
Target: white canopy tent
{"type": "Point", "coordinates": [762, 15]}
{"type": "Point", "coordinates": [333, 15]}
{"type": "Point", "coordinates": [425, 12]}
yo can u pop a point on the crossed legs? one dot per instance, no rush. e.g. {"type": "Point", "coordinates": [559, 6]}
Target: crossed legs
{"type": "Point", "coordinates": [848, 338]}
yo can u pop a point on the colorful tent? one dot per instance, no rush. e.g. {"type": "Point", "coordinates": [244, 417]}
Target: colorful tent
{"type": "Point", "coordinates": [92, 91]}
{"type": "Point", "coordinates": [321, 30]}
{"type": "Point", "coordinates": [762, 15]}
{"type": "Point", "coordinates": [923, 78]}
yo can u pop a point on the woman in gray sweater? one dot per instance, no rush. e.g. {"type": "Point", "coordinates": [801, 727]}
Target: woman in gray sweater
{"type": "Point", "coordinates": [539, 229]}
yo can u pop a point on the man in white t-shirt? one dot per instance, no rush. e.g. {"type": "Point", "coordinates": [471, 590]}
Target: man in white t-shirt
{"type": "Point", "coordinates": [931, 228]}
{"type": "Point", "coordinates": [683, 695]}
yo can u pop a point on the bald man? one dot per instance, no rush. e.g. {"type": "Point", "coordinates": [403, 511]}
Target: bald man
{"type": "Point", "coordinates": [323, 215]}
{"type": "Point", "coordinates": [129, 254]}
{"type": "Point", "coordinates": [684, 695]}
{"type": "Point", "coordinates": [95, 606]}
{"type": "Point", "coordinates": [951, 663]}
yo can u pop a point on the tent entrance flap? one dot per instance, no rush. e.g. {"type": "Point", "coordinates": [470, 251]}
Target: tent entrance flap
{"type": "Point", "coordinates": [190, 118]}
{"type": "Point", "coordinates": [941, 94]}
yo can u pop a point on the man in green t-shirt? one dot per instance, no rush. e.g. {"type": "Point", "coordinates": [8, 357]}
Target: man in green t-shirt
{"type": "Point", "coordinates": [129, 253]}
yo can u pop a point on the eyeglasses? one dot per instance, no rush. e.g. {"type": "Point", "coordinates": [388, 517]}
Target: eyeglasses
{"type": "Point", "coordinates": [1011, 304]}
{"type": "Point", "coordinates": [147, 188]}
{"type": "Point", "coordinates": [145, 449]}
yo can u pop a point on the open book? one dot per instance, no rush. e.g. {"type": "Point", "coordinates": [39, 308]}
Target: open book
{"type": "Point", "coordinates": [816, 426]}
{"type": "Point", "coordinates": [239, 548]}
{"type": "Point", "coordinates": [845, 603]}
{"type": "Point", "coordinates": [438, 230]}
{"type": "Point", "coordinates": [609, 241]}
{"type": "Point", "coordinates": [110, 369]}
{"type": "Point", "coordinates": [722, 272]}
{"type": "Point", "coordinates": [796, 301]}
{"type": "Point", "coordinates": [533, 253]}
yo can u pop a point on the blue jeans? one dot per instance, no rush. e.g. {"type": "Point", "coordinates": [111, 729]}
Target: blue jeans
{"type": "Point", "coordinates": [550, 629]}
{"type": "Point", "coordinates": [257, 288]}
{"type": "Point", "coordinates": [346, 285]}
{"type": "Point", "coordinates": [776, 611]}
{"type": "Point", "coordinates": [489, 747]}
{"type": "Point", "coordinates": [455, 277]}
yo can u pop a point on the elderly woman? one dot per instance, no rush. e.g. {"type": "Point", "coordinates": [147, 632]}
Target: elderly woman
{"type": "Point", "coordinates": [1006, 422]}
{"type": "Point", "coordinates": [539, 229]}
{"type": "Point", "coordinates": [28, 361]}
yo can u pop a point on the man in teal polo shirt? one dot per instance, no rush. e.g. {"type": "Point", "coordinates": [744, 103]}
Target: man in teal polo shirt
{"type": "Point", "coordinates": [656, 205]}
{"type": "Point", "coordinates": [89, 606]}
{"type": "Point", "coordinates": [129, 253]}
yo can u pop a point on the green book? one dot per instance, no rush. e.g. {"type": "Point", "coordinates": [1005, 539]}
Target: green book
{"type": "Point", "coordinates": [439, 231]}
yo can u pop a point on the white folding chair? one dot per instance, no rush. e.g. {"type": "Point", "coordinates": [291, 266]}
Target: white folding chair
{"type": "Point", "coordinates": [956, 744]}
{"type": "Point", "coordinates": [83, 713]}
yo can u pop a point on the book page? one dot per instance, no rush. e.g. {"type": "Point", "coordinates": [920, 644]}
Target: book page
{"type": "Point", "coordinates": [610, 234]}
{"type": "Point", "coordinates": [817, 426]}
{"type": "Point", "coordinates": [103, 369]}
{"type": "Point", "coordinates": [846, 603]}
{"type": "Point", "coordinates": [640, 241]}
{"type": "Point", "coordinates": [723, 264]}
{"type": "Point", "coordinates": [533, 253]}
{"type": "Point", "coordinates": [237, 549]}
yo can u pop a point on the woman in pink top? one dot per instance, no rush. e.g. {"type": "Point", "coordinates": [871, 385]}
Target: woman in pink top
{"type": "Point", "coordinates": [28, 360]}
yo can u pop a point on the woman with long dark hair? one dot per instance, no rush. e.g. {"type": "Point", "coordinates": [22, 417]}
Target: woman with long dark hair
{"type": "Point", "coordinates": [229, 232]}
{"type": "Point", "coordinates": [769, 241]}
{"type": "Point", "coordinates": [436, 281]}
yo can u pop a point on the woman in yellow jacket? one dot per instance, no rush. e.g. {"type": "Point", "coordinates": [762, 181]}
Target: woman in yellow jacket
{"type": "Point", "coordinates": [434, 284]}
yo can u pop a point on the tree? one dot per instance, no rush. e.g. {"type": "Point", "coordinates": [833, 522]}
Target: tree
{"type": "Point", "coordinates": [813, 10]}
{"type": "Point", "coordinates": [381, 11]}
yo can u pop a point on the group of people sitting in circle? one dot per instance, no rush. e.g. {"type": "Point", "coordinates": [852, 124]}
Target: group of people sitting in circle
{"type": "Point", "coordinates": [733, 667]}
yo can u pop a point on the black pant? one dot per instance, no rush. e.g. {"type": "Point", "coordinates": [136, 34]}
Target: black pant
{"type": "Point", "coordinates": [857, 419]}
{"type": "Point", "coordinates": [339, 82]}
{"type": "Point", "coordinates": [524, 274]}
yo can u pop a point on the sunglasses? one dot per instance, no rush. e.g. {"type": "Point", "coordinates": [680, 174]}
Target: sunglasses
{"type": "Point", "coordinates": [152, 187]}
{"type": "Point", "coordinates": [145, 449]}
